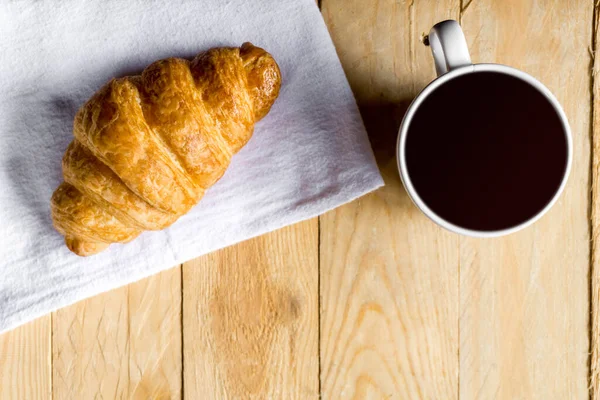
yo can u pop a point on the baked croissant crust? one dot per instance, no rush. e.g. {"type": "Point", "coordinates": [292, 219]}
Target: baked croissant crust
{"type": "Point", "coordinates": [147, 147]}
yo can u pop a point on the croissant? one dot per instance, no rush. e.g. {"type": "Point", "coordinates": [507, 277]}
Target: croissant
{"type": "Point", "coordinates": [147, 147]}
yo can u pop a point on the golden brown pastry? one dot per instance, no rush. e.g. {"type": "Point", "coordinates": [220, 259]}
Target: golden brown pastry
{"type": "Point", "coordinates": [147, 147]}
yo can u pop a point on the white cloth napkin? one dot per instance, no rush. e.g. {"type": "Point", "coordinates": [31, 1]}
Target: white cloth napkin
{"type": "Point", "coordinates": [310, 154]}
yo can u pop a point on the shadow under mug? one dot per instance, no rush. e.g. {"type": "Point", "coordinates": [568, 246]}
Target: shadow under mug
{"type": "Point", "coordinates": [475, 176]}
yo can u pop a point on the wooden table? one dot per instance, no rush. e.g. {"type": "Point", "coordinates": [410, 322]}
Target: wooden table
{"type": "Point", "coordinates": [371, 300]}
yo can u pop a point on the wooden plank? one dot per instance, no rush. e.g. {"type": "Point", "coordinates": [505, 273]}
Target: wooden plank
{"type": "Point", "coordinates": [389, 276]}
{"type": "Point", "coordinates": [125, 343]}
{"type": "Point", "coordinates": [524, 298]}
{"type": "Point", "coordinates": [250, 316]}
{"type": "Point", "coordinates": [91, 348]}
{"type": "Point", "coordinates": [25, 361]}
{"type": "Point", "coordinates": [155, 359]}
{"type": "Point", "coordinates": [595, 273]}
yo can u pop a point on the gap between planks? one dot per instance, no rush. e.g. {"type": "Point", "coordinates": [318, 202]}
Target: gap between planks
{"type": "Point", "coordinates": [594, 274]}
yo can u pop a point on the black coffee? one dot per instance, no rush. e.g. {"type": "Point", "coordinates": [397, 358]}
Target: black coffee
{"type": "Point", "coordinates": [486, 151]}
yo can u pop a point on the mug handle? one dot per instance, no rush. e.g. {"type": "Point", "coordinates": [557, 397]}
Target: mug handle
{"type": "Point", "coordinates": [448, 46]}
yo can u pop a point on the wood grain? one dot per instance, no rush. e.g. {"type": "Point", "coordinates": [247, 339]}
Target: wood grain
{"type": "Point", "coordinates": [389, 276]}
{"type": "Point", "coordinates": [407, 311]}
{"type": "Point", "coordinates": [124, 344]}
{"type": "Point", "coordinates": [524, 298]}
{"type": "Point", "coordinates": [155, 358]}
{"type": "Point", "coordinates": [25, 361]}
{"type": "Point", "coordinates": [251, 319]}
{"type": "Point", "coordinates": [595, 266]}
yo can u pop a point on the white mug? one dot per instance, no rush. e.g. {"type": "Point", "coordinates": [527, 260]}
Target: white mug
{"type": "Point", "coordinates": [452, 61]}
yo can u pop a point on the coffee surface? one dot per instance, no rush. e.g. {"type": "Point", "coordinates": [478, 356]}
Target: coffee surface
{"type": "Point", "coordinates": [486, 151]}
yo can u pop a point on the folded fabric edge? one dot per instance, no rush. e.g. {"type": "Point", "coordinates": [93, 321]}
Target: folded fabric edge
{"type": "Point", "coordinates": [24, 316]}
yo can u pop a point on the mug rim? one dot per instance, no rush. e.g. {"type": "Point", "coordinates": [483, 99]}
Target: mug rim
{"type": "Point", "coordinates": [430, 88]}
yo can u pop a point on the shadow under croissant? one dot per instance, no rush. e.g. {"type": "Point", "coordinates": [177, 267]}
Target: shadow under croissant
{"type": "Point", "coordinates": [109, 197]}
{"type": "Point", "coordinates": [46, 136]}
